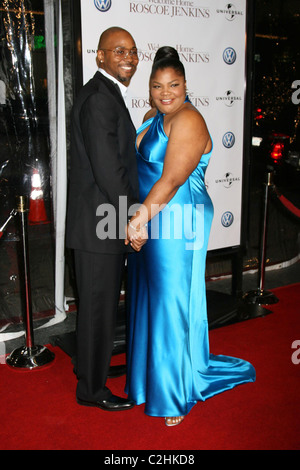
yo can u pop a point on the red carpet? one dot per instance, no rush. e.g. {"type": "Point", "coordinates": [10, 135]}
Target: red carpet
{"type": "Point", "coordinates": [38, 408]}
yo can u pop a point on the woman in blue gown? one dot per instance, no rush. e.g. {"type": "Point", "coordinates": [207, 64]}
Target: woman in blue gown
{"type": "Point", "coordinates": [169, 365]}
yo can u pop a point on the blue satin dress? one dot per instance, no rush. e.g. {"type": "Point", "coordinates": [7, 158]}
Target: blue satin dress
{"type": "Point", "coordinates": [170, 367]}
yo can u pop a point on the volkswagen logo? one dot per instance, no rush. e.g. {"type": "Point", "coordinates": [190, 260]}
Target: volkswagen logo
{"type": "Point", "coordinates": [102, 5]}
{"type": "Point", "coordinates": [227, 219]}
{"type": "Point", "coordinates": [229, 56]}
{"type": "Point", "coordinates": [228, 140]}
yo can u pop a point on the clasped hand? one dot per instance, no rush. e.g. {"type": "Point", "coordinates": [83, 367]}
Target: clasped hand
{"type": "Point", "coordinates": [136, 237]}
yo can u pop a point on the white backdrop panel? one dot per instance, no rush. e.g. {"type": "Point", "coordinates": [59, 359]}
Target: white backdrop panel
{"type": "Point", "coordinates": [202, 31]}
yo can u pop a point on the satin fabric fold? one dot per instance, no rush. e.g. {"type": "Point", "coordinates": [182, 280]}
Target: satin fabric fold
{"type": "Point", "coordinates": [170, 367]}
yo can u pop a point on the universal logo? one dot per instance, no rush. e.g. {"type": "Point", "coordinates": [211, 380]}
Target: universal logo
{"type": "Point", "coordinates": [230, 12]}
{"type": "Point", "coordinates": [102, 5]}
{"type": "Point", "coordinates": [229, 98]}
{"type": "Point", "coordinates": [228, 180]}
{"type": "Point", "coordinates": [228, 140]}
{"type": "Point", "coordinates": [170, 8]}
{"type": "Point", "coordinates": [227, 219]}
{"type": "Point", "coordinates": [229, 56]}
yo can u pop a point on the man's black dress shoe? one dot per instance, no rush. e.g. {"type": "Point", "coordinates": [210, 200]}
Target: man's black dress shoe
{"type": "Point", "coordinates": [113, 403]}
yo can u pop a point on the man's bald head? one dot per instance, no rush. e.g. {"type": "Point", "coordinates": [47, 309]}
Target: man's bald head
{"type": "Point", "coordinates": [107, 34]}
{"type": "Point", "coordinates": [120, 67]}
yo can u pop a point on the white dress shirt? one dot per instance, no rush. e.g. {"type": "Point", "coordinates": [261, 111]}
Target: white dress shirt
{"type": "Point", "coordinates": [123, 88]}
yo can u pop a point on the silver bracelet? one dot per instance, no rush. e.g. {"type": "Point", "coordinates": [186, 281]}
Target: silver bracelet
{"type": "Point", "coordinates": [134, 228]}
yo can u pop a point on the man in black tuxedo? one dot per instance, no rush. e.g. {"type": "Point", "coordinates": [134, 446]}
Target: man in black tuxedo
{"type": "Point", "coordinates": [103, 173]}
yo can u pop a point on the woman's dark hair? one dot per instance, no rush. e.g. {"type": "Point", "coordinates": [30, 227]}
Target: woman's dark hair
{"type": "Point", "coordinates": [165, 57]}
{"type": "Point", "coordinates": [166, 52]}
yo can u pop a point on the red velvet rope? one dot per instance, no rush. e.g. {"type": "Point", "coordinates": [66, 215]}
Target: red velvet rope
{"type": "Point", "coordinates": [287, 203]}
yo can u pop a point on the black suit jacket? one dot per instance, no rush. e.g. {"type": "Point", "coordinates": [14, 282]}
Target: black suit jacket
{"type": "Point", "coordinates": [103, 167]}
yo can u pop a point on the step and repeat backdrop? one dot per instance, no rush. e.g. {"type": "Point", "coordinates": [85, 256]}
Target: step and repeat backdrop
{"type": "Point", "coordinates": [210, 37]}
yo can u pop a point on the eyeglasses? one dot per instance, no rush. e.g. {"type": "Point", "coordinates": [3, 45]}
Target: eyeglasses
{"type": "Point", "coordinates": [122, 52]}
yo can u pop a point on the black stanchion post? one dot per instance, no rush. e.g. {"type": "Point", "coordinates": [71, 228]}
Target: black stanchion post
{"type": "Point", "coordinates": [261, 296]}
{"type": "Point", "coordinates": [29, 356]}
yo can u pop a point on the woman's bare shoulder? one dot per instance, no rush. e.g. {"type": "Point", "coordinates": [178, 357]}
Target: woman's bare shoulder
{"type": "Point", "coordinates": [151, 113]}
{"type": "Point", "coordinates": [189, 116]}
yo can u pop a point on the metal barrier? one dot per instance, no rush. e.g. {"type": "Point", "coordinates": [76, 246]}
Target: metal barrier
{"type": "Point", "coordinates": [260, 296]}
{"type": "Point", "coordinates": [30, 356]}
